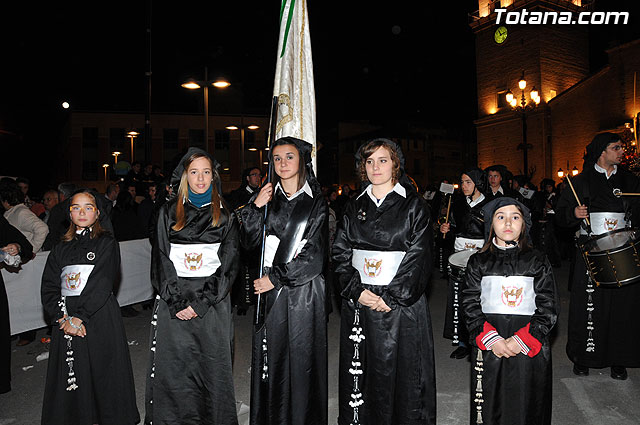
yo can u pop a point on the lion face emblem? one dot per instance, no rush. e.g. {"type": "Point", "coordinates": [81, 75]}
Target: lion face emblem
{"type": "Point", "coordinates": [193, 261]}
{"type": "Point", "coordinates": [511, 296]}
{"type": "Point", "coordinates": [372, 267]}
{"type": "Point", "coordinates": [610, 224]}
{"type": "Point", "coordinates": [469, 245]}
{"type": "Point", "coordinates": [73, 280]}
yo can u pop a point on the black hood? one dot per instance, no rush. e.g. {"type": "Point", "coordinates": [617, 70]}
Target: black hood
{"type": "Point", "coordinates": [490, 208]}
{"type": "Point", "coordinates": [305, 149]}
{"type": "Point", "coordinates": [177, 173]}
{"type": "Point", "coordinates": [596, 147]}
{"type": "Point", "coordinates": [478, 177]}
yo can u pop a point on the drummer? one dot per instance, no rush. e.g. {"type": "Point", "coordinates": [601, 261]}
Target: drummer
{"type": "Point", "coordinates": [601, 333]}
{"type": "Point", "coordinates": [468, 227]}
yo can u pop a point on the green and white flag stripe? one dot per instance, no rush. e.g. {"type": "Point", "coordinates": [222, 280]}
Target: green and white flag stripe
{"type": "Point", "coordinates": [293, 83]}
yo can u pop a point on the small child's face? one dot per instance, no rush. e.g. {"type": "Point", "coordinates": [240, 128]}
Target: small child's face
{"type": "Point", "coordinates": [507, 224]}
{"type": "Point", "coordinates": [83, 210]}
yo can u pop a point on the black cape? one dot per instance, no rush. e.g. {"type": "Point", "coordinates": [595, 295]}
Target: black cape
{"type": "Point", "coordinates": [397, 384]}
{"type": "Point", "coordinates": [515, 390]}
{"type": "Point", "coordinates": [190, 379]}
{"type": "Point", "coordinates": [467, 222]}
{"type": "Point", "coordinates": [295, 324]}
{"type": "Point", "coordinates": [8, 234]}
{"type": "Point", "coordinates": [613, 308]}
{"type": "Point", "coordinates": [102, 366]}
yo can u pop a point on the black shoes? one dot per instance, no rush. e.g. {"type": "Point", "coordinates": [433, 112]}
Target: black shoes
{"type": "Point", "coordinates": [619, 372]}
{"type": "Point", "coordinates": [581, 370]}
{"type": "Point", "coordinates": [460, 353]}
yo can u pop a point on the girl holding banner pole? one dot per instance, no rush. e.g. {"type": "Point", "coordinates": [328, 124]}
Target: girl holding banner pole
{"type": "Point", "coordinates": [383, 257]}
{"type": "Point", "coordinates": [289, 363]}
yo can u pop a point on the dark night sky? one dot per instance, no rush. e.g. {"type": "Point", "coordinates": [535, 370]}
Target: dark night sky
{"type": "Point", "coordinates": [92, 54]}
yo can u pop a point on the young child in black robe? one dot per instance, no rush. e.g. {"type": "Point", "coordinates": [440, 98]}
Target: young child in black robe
{"type": "Point", "coordinates": [510, 307]}
{"type": "Point", "coordinates": [89, 377]}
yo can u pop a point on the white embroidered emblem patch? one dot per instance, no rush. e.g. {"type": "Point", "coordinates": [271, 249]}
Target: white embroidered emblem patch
{"type": "Point", "coordinates": [372, 267]}
{"type": "Point", "coordinates": [193, 261]}
{"type": "Point", "coordinates": [73, 280]}
{"type": "Point", "coordinates": [511, 296]}
{"type": "Point", "coordinates": [91, 256]}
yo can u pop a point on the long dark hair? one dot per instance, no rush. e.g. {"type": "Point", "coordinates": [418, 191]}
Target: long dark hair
{"type": "Point", "coordinates": [96, 228]}
{"type": "Point", "coordinates": [524, 243]}
{"type": "Point", "coordinates": [302, 172]}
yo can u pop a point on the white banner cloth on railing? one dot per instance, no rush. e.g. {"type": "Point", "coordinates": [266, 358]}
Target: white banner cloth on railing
{"type": "Point", "coordinates": [23, 288]}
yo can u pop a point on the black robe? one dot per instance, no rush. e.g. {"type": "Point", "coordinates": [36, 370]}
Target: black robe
{"type": "Point", "coordinates": [466, 222]}
{"type": "Point", "coordinates": [190, 379]}
{"type": "Point", "coordinates": [514, 390]}
{"type": "Point", "coordinates": [242, 294]}
{"type": "Point", "coordinates": [295, 391]}
{"type": "Point", "coordinates": [613, 308]}
{"type": "Point", "coordinates": [102, 366]}
{"type": "Point", "coordinates": [8, 234]}
{"type": "Point", "coordinates": [396, 361]}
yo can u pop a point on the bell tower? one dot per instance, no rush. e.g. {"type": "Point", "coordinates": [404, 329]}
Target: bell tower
{"type": "Point", "coordinates": [512, 42]}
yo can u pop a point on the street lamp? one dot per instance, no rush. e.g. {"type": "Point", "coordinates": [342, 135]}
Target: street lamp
{"type": "Point", "coordinates": [132, 135]}
{"type": "Point", "coordinates": [194, 85]}
{"type": "Point", "coordinates": [523, 108]}
{"type": "Point", "coordinates": [252, 127]}
{"type": "Point", "coordinates": [116, 153]}
{"type": "Point", "coordinates": [105, 166]}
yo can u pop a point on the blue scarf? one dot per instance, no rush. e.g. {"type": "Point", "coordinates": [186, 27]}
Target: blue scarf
{"type": "Point", "coordinates": [199, 199]}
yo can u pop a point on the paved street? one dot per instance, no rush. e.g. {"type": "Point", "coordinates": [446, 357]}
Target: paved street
{"type": "Point", "coordinates": [593, 400]}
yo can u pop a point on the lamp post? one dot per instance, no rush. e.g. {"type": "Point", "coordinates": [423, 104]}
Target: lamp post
{"type": "Point", "coordinates": [204, 85]}
{"type": "Point", "coordinates": [116, 153]}
{"type": "Point", "coordinates": [105, 166]}
{"type": "Point", "coordinates": [132, 135]}
{"type": "Point", "coordinates": [523, 107]}
{"type": "Point", "coordinates": [251, 127]}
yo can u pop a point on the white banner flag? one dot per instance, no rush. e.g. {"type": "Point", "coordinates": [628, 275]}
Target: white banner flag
{"type": "Point", "coordinates": [293, 84]}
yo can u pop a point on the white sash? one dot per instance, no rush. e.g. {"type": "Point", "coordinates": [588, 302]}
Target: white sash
{"type": "Point", "coordinates": [603, 222]}
{"type": "Point", "coordinates": [461, 243]}
{"type": "Point", "coordinates": [376, 267]}
{"type": "Point", "coordinates": [195, 260]}
{"type": "Point", "coordinates": [271, 246]}
{"type": "Point", "coordinates": [73, 279]}
{"type": "Point", "coordinates": [508, 295]}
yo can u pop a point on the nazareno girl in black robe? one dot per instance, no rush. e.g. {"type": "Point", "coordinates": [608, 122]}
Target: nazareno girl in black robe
{"type": "Point", "coordinates": [467, 224]}
{"type": "Point", "coordinates": [383, 258]}
{"type": "Point", "coordinates": [194, 262]}
{"type": "Point", "coordinates": [89, 376]}
{"type": "Point", "coordinates": [510, 307]}
{"type": "Point", "coordinates": [18, 250]}
{"type": "Point", "coordinates": [289, 363]}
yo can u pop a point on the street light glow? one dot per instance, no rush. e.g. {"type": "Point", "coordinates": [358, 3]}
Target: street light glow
{"type": "Point", "coordinates": [231, 127]}
{"type": "Point", "coordinates": [133, 133]}
{"type": "Point", "coordinates": [560, 173]}
{"type": "Point", "coordinates": [252, 149]}
{"type": "Point", "coordinates": [253, 127]}
{"type": "Point", "coordinates": [221, 84]}
{"type": "Point", "coordinates": [522, 84]}
{"type": "Point", "coordinates": [191, 85]}
{"type": "Point", "coordinates": [65, 105]}
{"type": "Point", "coordinates": [509, 97]}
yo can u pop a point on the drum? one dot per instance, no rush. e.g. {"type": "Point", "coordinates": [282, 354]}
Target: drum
{"type": "Point", "coordinates": [458, 264]}
{"type": "Point", "coordinates": [612, 258]}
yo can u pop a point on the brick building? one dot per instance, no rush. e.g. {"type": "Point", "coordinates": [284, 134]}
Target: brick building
{"type": "Point", "coordinates": [574, 105]}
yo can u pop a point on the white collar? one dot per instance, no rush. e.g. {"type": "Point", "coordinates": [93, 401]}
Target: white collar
{"type": "Point", "coordinates": [306, 189]}
{"type": "Point", "coordinates": [476, 201]}
{"type": "Point", "coordinates": [504, 248]}
{"type": "Point", "coordinates": [248, 189]}
{"type": "Point", "coordinates": [603, 171]}
{"type": "Point", "coordinates": [499, 190]}
{"type": "Point", "coordinates": [398, 188]}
